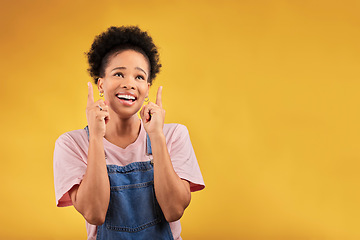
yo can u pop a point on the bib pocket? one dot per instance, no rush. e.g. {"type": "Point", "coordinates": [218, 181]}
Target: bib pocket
{"type": "Point", "coordinates": [133, 206]}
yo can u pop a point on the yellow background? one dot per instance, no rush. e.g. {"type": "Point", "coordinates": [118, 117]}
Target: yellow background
{"type": "Point", "coordinates": [269, 91]}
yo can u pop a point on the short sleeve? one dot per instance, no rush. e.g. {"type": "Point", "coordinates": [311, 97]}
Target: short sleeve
{"type": "Point", "coordinates": [69, 168]}
{"type": "Point", "coordinates": [183, 158]}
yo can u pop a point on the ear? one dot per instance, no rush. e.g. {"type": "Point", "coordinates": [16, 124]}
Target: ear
{"type": "Point", "coordinates": [148, 90]}
{"type": "Point", "coordinates": [100, 84]}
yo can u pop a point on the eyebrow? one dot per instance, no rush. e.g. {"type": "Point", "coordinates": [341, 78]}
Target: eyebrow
{"type": "Point", "coordinates": [138, 68]}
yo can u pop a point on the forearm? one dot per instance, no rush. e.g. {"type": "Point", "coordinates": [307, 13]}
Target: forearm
{"type": "Point", "coordinates": [93, 194]}
{"type": "Point", "coordinates": [172, 193]}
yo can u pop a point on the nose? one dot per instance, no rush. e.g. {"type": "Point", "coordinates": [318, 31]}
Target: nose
{"type": "Point", "coordinates": [128, 83]}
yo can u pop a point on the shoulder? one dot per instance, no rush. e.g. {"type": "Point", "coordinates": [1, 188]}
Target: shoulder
{"type": "Point", "coordinates": [176, 134]}
{"type": "Point", "coordinates": [71, 145]}
{"type": "Point", "coordinates": [174, 130]}
{"type": "Point", "coordinates": [73, 138]}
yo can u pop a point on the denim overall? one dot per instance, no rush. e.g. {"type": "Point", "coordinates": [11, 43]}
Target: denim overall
{"type": "Point", "coordinates": [133, 213]}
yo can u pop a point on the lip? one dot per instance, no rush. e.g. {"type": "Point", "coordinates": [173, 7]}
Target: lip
{"type": "Point", "coordinates": [124, 102]}
{"type": "Point", "coordinates": [126, 93]}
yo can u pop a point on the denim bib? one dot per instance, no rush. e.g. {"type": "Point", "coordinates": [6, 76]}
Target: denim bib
{"type": "Point", "coordinates": [133, 213]}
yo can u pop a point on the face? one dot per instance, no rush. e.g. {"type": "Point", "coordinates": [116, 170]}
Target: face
{"type": "Point", "coordinates": [125, 83]}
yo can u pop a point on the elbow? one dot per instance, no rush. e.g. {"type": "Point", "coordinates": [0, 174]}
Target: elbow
{"type": "Point", "coordinates": [93, 215]}
{"type": "Point", "coordinates": [176, 211]}
{"type": "Point", "coordinates": [95, 219]}
{"type": "Point", "coordinates": [174, 215]}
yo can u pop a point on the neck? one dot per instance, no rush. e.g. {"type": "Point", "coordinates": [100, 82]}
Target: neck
{"type": "Point", "coordinates": [122, 131]}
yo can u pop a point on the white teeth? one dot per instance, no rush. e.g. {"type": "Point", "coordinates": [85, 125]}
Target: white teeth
{"type": "Point", "coordinates": [128, 97]}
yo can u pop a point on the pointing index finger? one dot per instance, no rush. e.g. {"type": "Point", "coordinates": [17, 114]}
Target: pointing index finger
{"type": "Point", "coordinates": [90, 94]}
{"type": "Point", "coordinates": [158, 97]}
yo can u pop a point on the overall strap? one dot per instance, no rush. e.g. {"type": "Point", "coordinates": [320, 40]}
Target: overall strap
{"type": "Point", "coordinates": [148, 143]}
{"type": "Point", "coordinates": [87, 131]}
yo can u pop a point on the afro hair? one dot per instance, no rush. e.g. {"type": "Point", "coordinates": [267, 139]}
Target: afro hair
{"type": "Point", "coordinates": [115, 39]}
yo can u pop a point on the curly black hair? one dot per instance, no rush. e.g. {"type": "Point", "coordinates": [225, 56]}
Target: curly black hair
{"type": "Point", "coordinates": [115, 39]}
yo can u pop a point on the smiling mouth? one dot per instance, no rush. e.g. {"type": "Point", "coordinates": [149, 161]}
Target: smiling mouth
{"type": "Point", "coordinates": [126, 97]}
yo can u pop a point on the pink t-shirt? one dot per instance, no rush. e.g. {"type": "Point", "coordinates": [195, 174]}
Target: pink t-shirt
{"type": "Point", "coordinates": [70, 162]}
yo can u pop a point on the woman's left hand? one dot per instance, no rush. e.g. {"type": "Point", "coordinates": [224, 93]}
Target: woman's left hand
{"type": "Point", "coordinates": [153, 115]}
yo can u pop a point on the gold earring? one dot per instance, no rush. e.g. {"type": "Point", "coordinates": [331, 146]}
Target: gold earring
{"type": "Point", "coordinates": [101, 94]}
{"type": "Point", "coordinates": [146, 98]}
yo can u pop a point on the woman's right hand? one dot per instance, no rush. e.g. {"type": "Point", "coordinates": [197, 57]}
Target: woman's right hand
{"type": "Point", "coordinates": [91, 197]}
{"type": "Point", "coordinates": [97, 114]}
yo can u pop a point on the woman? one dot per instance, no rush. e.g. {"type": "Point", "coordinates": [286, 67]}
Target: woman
{"type": "Point", "coordinates": [130, 178]}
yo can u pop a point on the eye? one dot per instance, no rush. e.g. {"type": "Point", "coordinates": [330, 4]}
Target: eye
{"type": "Point", "coordinates": [140, 77]}
{"type": "Point", "coordinates": [118, 74]}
